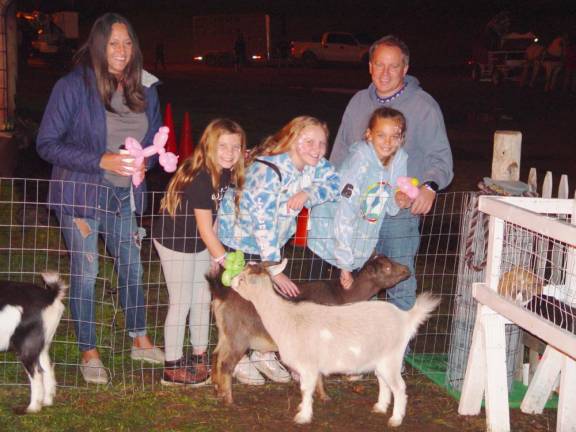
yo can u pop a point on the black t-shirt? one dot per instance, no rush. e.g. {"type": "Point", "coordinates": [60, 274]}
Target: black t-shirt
{"type": "Point", "coordinates": [180, 233]}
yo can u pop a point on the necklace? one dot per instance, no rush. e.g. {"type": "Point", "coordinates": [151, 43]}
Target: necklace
{"type": "Point", "coordinates": [390, 98]}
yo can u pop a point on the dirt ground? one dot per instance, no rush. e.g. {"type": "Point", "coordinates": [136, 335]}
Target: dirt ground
{"type": "Point", "coordinates": [262, 100]}
{"type": "Point", "coordinates": [267, 408]}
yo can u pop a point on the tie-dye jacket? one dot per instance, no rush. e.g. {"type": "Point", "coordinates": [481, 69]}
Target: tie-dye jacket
{"type": "Point", "coordinates": [264, 223]}
{"type": "Point", "coordinates": [344, 233]}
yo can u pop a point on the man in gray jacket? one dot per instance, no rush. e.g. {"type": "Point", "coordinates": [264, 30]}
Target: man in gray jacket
{"type": "Point", "coordinates": [429, 154]}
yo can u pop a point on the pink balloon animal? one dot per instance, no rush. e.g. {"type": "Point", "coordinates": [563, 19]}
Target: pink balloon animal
{"type": "Point", "coordinates": [408, 185]}
{"type": "Point", "coordinates": [168, 160]}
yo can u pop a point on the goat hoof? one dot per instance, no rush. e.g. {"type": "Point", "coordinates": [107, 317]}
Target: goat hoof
{"type": "Point", "coordinates": [380, 409]}
{"type": "Point", "coordinates": [394, 422]}
{"type": "Point", "coordinates": [302, 418]}
{"type": "Point", "coordinates": [48, 401]}
{"type": "Point", "coordinates": [33, 408]}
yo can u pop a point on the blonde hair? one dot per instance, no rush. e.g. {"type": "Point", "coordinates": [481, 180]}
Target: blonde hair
{"type": "Point", "coordinates": [205, 158]}
{"type": "Point", "coordinates": [282, 141]}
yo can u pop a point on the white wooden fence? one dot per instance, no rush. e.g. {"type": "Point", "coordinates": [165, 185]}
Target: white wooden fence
{"type": "Point", "coordinates": [551, 224]}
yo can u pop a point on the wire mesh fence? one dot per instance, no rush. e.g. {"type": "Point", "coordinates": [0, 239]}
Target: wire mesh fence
{"type": "Point", "coordinates": [32, 241]}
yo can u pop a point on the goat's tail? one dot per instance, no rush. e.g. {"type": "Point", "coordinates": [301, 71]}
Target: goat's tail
{"type": "Point", "coordinates": [55, 285]}
{"type": "Point", "coordinates": [217, 288]}
{"type": "Point", "coordinates": [421, 311]}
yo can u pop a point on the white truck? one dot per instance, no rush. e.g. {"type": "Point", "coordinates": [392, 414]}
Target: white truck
{"type": "Point", "coordinates": [333, 47]}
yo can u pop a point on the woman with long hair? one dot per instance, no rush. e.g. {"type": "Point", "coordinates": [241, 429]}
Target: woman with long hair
{"type": "Point", "coordinates": [106, 98]}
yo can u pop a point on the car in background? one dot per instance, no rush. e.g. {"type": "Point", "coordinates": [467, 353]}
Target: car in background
{"type": "Point", "coordinates": [503, 63]}
{"type": "Point", "coordinates": [332, 47]}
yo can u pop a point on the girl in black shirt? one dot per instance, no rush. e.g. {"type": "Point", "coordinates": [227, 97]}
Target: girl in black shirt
{"type": "Point", "coordinates": [186, 240]}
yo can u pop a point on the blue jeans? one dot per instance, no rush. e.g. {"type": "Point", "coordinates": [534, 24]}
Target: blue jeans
{"type": "Point", "coordinates": [399, 240]}
{"type": "Point", "coordinates": [117, 224]}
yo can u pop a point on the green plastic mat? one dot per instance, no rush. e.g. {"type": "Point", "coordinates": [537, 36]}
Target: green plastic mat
{"type": "Point", "coordinates": [434, 367]}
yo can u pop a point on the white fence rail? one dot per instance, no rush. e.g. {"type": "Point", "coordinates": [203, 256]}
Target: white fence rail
{"type": "Point", "coordinates": [550, 225]}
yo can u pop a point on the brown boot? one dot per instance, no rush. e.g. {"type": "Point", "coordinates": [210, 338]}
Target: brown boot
{"type": "Point", "coordinates": [199, 366]}
{"type": "Point", "coordinates": [176, 373]}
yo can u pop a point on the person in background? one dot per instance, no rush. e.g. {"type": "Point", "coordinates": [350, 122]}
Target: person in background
{"type": "Point", "coordinates": [553, 61]}
{"type": "Point", "coordinates": [186, 241]}
{"type": "Point", "coordinates": [239, 51]}
{"type": "Point", "coordinates": [285, 173]}
{"type": "Point", "coordinates": [426, 143]}
{"type": "Point", "coordinates": [344, 233]}
{"type": "Point", "coordinates": [532, 63]}
{"type": "Point", "coordinates": [106, 98]}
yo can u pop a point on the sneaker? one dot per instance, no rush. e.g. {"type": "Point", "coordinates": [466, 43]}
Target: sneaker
{"type": "Point", "coordinates": [354, 377]}
{"type": "Point", "coordinates": [246, 372]}
{"type": "Point", "coordinates": [94, 371]}
{"type": "Point", "coordinates": [268, 364]}
{"type": "Point", "coordinates": [152, 355]}
{"type": "Point", "coordinates": [176, 373]}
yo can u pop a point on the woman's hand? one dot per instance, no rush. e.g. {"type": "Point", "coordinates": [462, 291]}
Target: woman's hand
{"type": "Point", "coordinates": [286, 285]}
{"type": "Point", "coordinates": [119, 164]}
{"type": "Point", "coordinates": [297, 201]}
{"type": "Point", "coordinates": [346, 279]}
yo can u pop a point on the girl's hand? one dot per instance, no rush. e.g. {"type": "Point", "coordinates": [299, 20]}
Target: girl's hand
{"type": "Point", "coordinates": [346, 279]}
{"type": "Point", "coordinates": [285, 285]}
{"type": "Point", "coordinates": [402, 200]}
{"type": "Point", "coordinates": [119, 164]}
{"type": "Point", "coordinates": [297, 201]}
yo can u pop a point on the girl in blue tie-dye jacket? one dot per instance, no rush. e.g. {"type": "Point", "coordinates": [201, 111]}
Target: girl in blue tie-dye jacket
{"type": "Point", "coordinates": [344, 233]}
{"type": "Point", "coordinates": [286, 172]}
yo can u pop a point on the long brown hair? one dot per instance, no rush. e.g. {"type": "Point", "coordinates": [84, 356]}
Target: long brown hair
{"type": "Point", "coordinates": [205, 158]}
{"type": "Point", "coordinates": [92, 54]}
{"type": "Point", "coordinates": [282, 141]}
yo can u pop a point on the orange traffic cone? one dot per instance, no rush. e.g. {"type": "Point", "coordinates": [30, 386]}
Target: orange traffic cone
{"type": "Point", "coordinates": [186, 145]}
{"type": "Point", "coordinates": [301, 229]}
{"type": "Point", "coordinates": [169, 122]}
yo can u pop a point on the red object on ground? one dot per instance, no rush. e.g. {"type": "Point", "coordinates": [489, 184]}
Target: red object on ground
{"type": "Point", "coordinates": [301, 229]}
{"type": "Point", "coordinates": [186, 145]}
{"type": "Point", "coordinates": [169, 122]}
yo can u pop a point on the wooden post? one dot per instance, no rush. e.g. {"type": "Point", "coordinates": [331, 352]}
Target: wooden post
{"type": "Point", "coordinates": [506, 156]}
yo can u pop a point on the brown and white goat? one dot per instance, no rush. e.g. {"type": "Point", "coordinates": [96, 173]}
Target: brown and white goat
{"type": "Point", "coordinates": [317, 340]}
{"type": "Point", "coordinates": [240, 328]}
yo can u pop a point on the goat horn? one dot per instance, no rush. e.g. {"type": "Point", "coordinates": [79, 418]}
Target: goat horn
{"type": "Point", "coordinates": [275, 269]}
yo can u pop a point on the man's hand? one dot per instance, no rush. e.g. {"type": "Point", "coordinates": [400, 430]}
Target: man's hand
{"type": "Point", "coordinates": [423, 202]}
{"type": "Point", "coordinates": [286, 285]}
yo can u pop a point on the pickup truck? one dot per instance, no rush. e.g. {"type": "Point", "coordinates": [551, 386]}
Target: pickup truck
{"type": "Point", "coordinates": [333, 47]}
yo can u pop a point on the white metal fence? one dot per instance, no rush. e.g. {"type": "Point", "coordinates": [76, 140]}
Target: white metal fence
{"type": "Point", "coordinates": [31, 242]}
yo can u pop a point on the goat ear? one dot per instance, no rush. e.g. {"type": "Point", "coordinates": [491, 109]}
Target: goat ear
{"type": "Point", "coordinates": [277, 268]}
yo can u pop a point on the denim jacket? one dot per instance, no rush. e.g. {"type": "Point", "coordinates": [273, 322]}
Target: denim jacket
{"type": "Point", "coordinates": [345, 233]}
{"type": "Point", "coordinates": [72, 137]}
{"type": "Point", "coordinates": [264, 223]}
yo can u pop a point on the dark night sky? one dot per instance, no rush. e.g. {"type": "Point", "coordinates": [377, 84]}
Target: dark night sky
{"type": "Point", "coordinates": [442, 30]}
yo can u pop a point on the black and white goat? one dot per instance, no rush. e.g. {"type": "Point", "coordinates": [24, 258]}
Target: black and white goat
{"type": "Point", "coordinates": [29, 316]}
{"type": "Point", "coordinates": [317, 340]}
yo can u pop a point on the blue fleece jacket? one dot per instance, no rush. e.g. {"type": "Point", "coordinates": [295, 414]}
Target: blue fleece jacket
{"type": "Point", "coordinates": [72, 137]}
{"type": "Point", "coordinates": [429, 154]}
{"type": "Point", "coordinates": [345, 233]}
{"type": "Point", "coordinates": [265, 223]}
